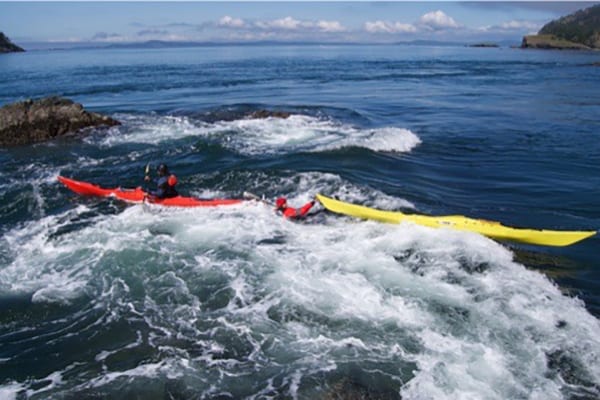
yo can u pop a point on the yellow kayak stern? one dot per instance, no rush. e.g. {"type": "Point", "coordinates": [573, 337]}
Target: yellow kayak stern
{"type": "Point", "coordinates": [491, 229]}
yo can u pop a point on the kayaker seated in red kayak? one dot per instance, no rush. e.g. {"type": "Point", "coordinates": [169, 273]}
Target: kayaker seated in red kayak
{"type": "Point", "coordinates": [291, 212]}
{"type": "Point", "coordinates": [165, 184]}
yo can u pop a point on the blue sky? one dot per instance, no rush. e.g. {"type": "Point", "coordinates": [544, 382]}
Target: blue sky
{"type": "Point", "coordinates": [355, 21]}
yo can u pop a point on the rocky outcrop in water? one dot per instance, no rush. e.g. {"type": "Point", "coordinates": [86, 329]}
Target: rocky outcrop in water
{"type": "Point", "coordinates": [6, 46]}
{"type": "Point", "coordinates": [346, 389]}
{"type": "Point", "coordinates": [577, 31]}
{"type": "Point", "coordinates": [33, 121]}
{"type": "Point", "coordinates": [484, 45]}
{"type": "Point", "coordinates": [236, 113]}
{"type": "Point", "coordinates": [259, 114]}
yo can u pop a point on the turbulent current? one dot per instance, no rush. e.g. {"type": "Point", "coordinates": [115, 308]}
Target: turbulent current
{"type": "Point", "coordinates": [99, 299]}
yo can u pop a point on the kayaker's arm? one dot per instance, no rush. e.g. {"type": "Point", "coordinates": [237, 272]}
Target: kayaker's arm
{"type": "Point", "coordinates": [302, 211]}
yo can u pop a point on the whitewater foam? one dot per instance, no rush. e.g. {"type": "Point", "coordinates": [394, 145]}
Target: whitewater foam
{"type": "Point", "coordinates": [261, 136]}
{"type": "Point", "coordinates": [304, 133]}
{"type": "Point", "coordinates": [253, 303]}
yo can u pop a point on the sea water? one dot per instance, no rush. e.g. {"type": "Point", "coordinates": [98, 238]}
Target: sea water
{"type": "Point", "coordinates": [103, 299]}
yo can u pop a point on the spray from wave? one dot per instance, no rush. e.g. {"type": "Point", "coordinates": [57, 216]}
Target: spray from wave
{"type": "Point", "coordinates": [263, 135]}
{"type": "Point", "coordinates": [238, 302]}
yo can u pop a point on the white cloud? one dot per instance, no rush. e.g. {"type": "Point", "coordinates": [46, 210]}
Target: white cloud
{"type": "Point", "coordinates": [293, 25]}
{"type": "Point", "coordinates": [518, 25]}
{"type": "Point", "coordinates": [330, 26]}
{"type": "Point", "coordinates": [389, 27]}
{"type": "Point", "coordinates": [287, 23]}
{"type": "Point", "coordinates": [376, 27]}
{"type": "Point", "coordinates": [438, 20]}
{"type": "Point", "coordinates": [432, 21]}
{"type": "Point", "coordinates": [230, 22]}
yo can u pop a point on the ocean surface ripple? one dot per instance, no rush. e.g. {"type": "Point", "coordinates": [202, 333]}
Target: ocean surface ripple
{"type": "Point", "coordinates": [99, 299]}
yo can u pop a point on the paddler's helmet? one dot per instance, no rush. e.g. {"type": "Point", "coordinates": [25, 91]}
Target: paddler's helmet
{"type": "Point", "coordinates": [281, 202]}
{"type": "Point", "coordinates": [172, 181]}
{"type": "Point", "coordinates": [162, 170]}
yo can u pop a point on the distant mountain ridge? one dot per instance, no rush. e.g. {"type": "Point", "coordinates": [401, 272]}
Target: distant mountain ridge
{"type": "Point", "coordinates": [159, 44]}
{"type": "Point", "coordinates": [162, 43]}
{"type": "Point", "coordinates": [6, 46]}
{"type": "Point", "coordinates": [580, 30]}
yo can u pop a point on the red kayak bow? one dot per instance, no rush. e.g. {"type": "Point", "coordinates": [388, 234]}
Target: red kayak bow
{"type": "Point", "coordinates": [137, 195]}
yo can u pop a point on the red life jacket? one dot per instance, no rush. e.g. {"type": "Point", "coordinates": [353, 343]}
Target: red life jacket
{"type": "Point", "coordinates": [294, 213]}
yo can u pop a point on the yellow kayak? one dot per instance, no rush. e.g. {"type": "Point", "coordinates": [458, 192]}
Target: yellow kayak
{"type": "Point", "coordinates": [491, 229]}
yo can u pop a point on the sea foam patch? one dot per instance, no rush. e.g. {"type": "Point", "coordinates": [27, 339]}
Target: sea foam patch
{"type": "Point", "coordinates": [304, 133]}
{"type": "Point", "coordinates": [257, 304]}
{"type": "Point", "coordinates": [260, 136]}
{"type": "Point", "coordinates": [302, 187]}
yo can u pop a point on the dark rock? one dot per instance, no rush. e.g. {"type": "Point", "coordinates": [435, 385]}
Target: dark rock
{"type": "Point", "coordinates": [268, 114]}
{"type": "Point", "coordinates": [6, 46]}
{"type": "Point", "coordinates": [234, 113]}
{"type": "Point", "coordinates": [491, 45]}
{"type": "Point", "coordinates": [33, 121]}
{"type": "Point", "coordinates": [346, 389]}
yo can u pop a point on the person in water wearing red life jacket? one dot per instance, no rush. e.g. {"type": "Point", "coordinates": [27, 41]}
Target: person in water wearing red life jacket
{"type": "Point", "coordinates": [291, 212]}
{"type": "Point", "coordinates": [165, 183]}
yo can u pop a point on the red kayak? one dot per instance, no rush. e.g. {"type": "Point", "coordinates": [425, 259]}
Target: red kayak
{"type": "Point", "coordinates": [137, 195]}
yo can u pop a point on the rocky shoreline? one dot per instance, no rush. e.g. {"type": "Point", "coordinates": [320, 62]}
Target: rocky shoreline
{"type": "Point", "coordinates": [33, 121]}
{"type": "Point", "coordinates": [550, 42]}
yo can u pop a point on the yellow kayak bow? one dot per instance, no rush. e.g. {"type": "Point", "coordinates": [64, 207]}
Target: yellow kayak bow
{"type": "Point", "coordinates": [491, 229]}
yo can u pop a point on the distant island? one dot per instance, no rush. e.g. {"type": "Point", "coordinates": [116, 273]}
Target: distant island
{"type": "Point", "coordinates": [577, 31]}
{"type": "Point", "coordinates": [6, 46]}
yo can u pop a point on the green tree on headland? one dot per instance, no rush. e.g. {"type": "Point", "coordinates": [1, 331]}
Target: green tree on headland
{"type": "Point", "coordinates": [578, 30]}
{"type": "Point", "coordinates": [580, 27]}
